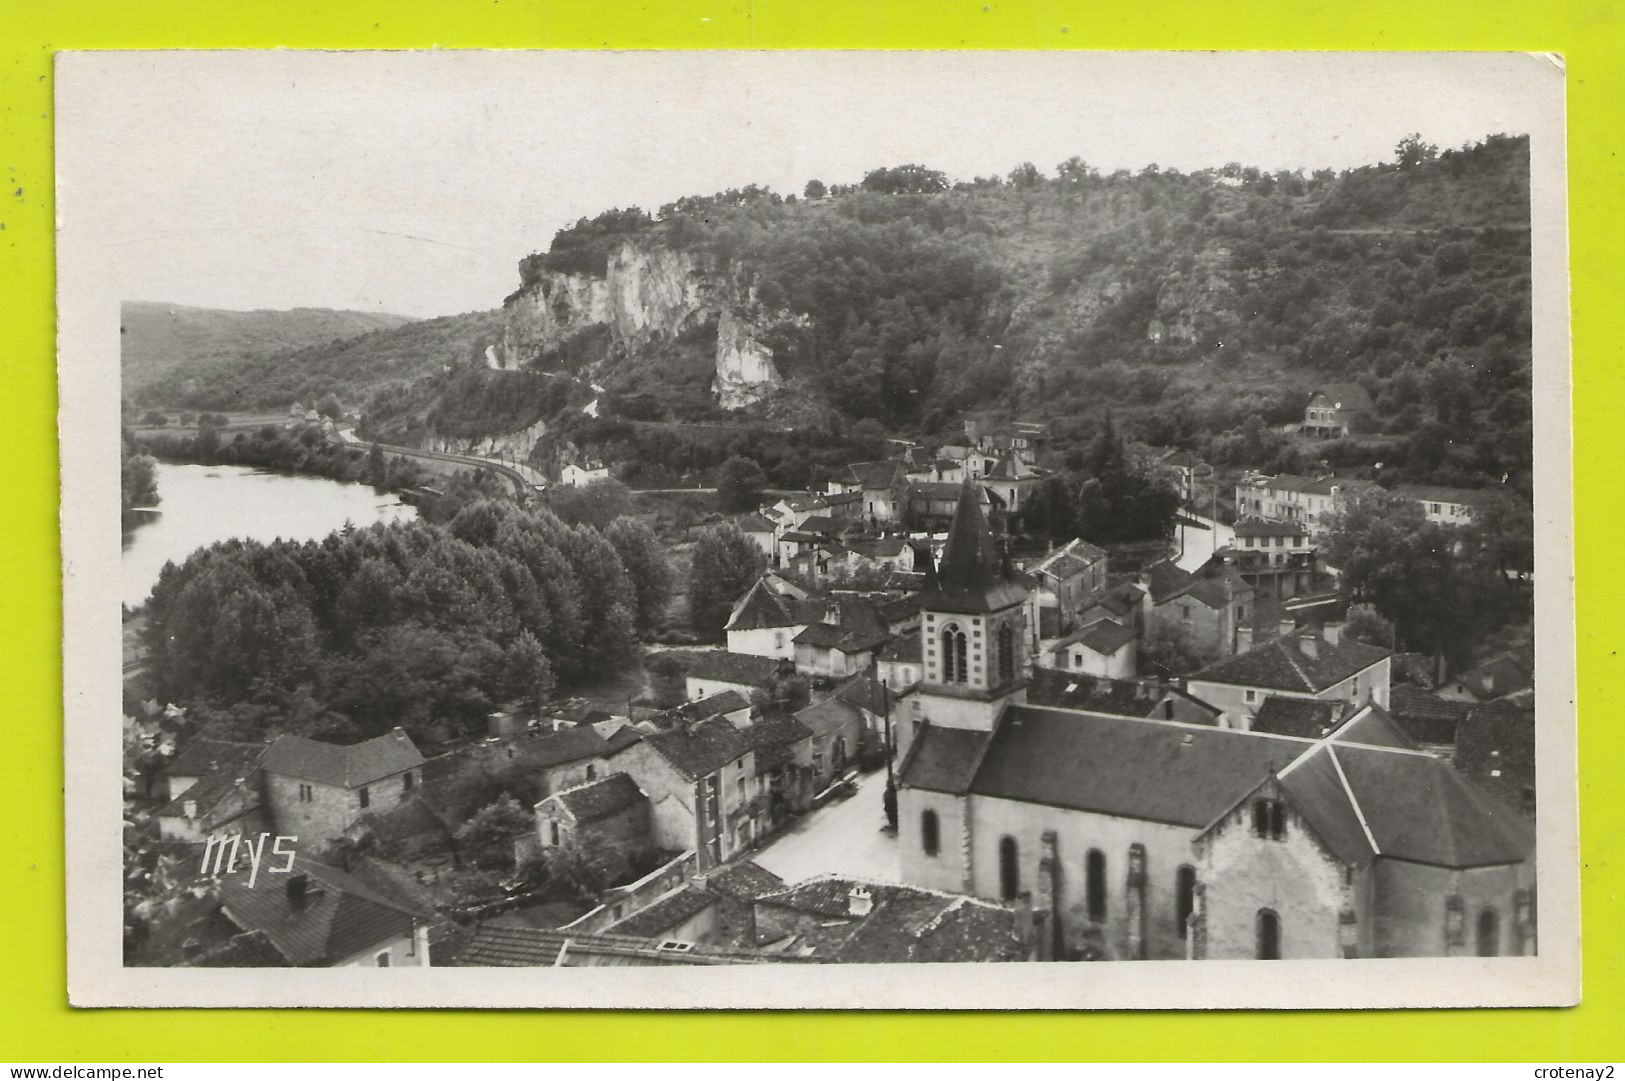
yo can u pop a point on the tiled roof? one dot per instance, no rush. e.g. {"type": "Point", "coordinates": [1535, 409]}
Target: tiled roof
{"type": "Point", "coordinates": [883, 474]}
{"type": "Point", "coordinates": [1283, 664]}
{"type": "Point", "coordinates": [904, 924]}
{"type": "Point", "coordinates": [340, 915]}
{"type": "Point", "coordinates": [1159, 771]}
{"type": "Point", "coordinates": [1426, 717]}
{"type": "Point", "coordinates": [1495, 747]}
{"type": "Point", "coordinates": [943, 759]}
{"type": "Point", "coordinates": [600, 799]}
{"type": "Point", "coordinates": [1120, 599]}
{"type": "Point", "coordinates": [208, 793]}
{"type": "Point", "coordinates": [1307, 717]}
{"type": "Point", "coordinates": [665, 915]}
{"type": "Point", "coordinates": [742, 880]}
{"type": "Point", "coordinates": [819, 525]}
{"type": "Point", "coordinates": [754, 523]}
{"type": "Point", "coordinates": [558, 748]}
{"type": "Point", "coordinates": [1105, 636]}
{"type": "Point", "coordinates": [724, 666]}
{"type": "Point", "coordinates": [1063, 690]}
{"type": "Point", "coordinates": [728, 701]}
{"type": "Point", "coordinates": [866, 693]}
{"type": "Point", "coordinates": [620, 739]}
{"type": "Point", "coordinates": [1346, 395]}
{"type": "Point", "coordinates": [347, 767]}
{"type": "Point", "coordinates": [773, 737]}
{"type": "Point", "coordinates": [1251, 525]}
{"type": "Point", "coordinates": [904, 647]}
{"type": "Point", "coordinates": [1501, 675]}
{"type": "Point", "coordinates": [409, 818]}
{"type": "Point", "coordinates": [251, 949]}
{"type": "Point", "coordinates": [533, 947]}
{"type": "Point", "coordinates": [1438, 493]}
{"type": "Point", "coordinates": [828, 715]}
{"type": "Point", "coordinates": [700, 749]}
{"type": "Point", "coordinates": [1289, 482]}
{"type": "Point", "coordinates": [203, 756]}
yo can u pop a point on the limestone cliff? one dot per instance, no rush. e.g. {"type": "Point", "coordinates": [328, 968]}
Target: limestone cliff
{"type": "Point", "coordinates": [648, 292]}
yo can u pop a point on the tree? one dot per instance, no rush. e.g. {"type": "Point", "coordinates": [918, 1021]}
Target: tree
{"type": "Point", "coordinates": [608, 603]}
{"type": "Point", "coordinates": [329, 407]}
{"type": "Point", "coordinates": [377, 470]}
{"type": "Point", "coordinates": [1411, 151]}
{"type": "Point", "coordinates": [529, 675]}
{"type": "Point", "coordinates": [723, 566]}
{"type": "Point", "coordinates": [739, 484]}
{"type": "Point", "coordinates": [1026, 176]}
{"type": "Point", "coordinates": [668, 681]}
{"type": "Point", "coordinates": [1169, 647]}
{"type": "Point", "coordinates": [644, 558]}
{"type": "Point", "coordinates": [815, 189]}
{"type": "Point", "coordinates": [138, 481]}
{"type": "Point", "coordinates": [574, 869]}
{"type": "Point", "coordinates": [1051, 511]}
{"type": "Point", "coordinates": [1366, 624]}
{"type": "Point", "coordinates": [1503, 527]}
{"type": "Point", "coordinates": [488, 836]}
{"type": "Point", "coordinates": [596, 504]}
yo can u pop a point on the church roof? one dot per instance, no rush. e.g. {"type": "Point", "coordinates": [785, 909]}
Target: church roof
{"type": "Point", "coordinates": [973, 576]}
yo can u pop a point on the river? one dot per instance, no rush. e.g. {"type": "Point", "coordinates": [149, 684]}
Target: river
{"type": "Point", "coordinates": [201, 504]}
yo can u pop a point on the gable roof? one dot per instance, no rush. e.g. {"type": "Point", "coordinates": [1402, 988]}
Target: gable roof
{"type": "Point", "coordinates": [828, 714]}
{"type": "Point", "coordinates": [700, 749]}
{"type": "Point", "coordinates": [1306, 717]}
{"type": "Point", "coordinates": [904, 924]}
{"type": "Point", "coordinates": [1252, 525]}
{"type": "Point", "coordinates": [725, 666]}
{"type": "Point", "coordinates": [559, 748]}
{"type": "Point", "coordinates": [203, 756]}
{"type": "Point", "coordinates": [1426, 717]}
{"type": "Point", "coordinates": [1283, 664]}
{"type": "Point", "coordinates": [728, 701]}
{"type": "Point", "coordinates": [340, 915]}
{"type": "Point", "coordinates": [347, 767]}
{"type": "Point", "coordinates": [754, 523]}
{"type": "Point", "coordinates": [211, 792]}
{"type": "Point", "coordinates": [773, 738]}
{"type": "Point", "coordinates": [742, 880]}
{"type": "Point", "coordinates": [1104, 636]}
{"type": "Point", "coordinates": [1158, 771]}
{"type": "Point", "coordinates": [881, 474]}
{"type": "Point", "coordinates": [1440, 493]}
{"type": "Point", "coordinates": [1495, 748]}
{"type": "Point", "coordinates": [943, 759]}
{"type": "Point", "coordinates": [1345, 396]}
{"type": "Point", "coordinates": [599, 799]}
{"type": "Point", "coordinates": [491, 945]}
{"type": "Point", "coordinates": [1501, 675]}
{"type": "Point", "coordinates": [1067, 690]}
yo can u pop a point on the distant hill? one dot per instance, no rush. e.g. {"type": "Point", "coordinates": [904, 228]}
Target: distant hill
{"type": "Point", "coordinates": [157, 337]}
{"type": "Point", "coordinates": [349, 369]}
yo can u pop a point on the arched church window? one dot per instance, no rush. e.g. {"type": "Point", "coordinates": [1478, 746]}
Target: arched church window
{"type": "Point", "coordinates": [1009, 869]}
{"type": "Point", "coordinates": [954, 655]}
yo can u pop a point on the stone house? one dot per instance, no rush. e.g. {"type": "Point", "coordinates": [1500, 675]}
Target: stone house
{"type": "Point", "coordinates": [1010, 481]}
{"type": "Point", "coordinates": [1273, 556]}
{"type": "Point", "coordinates": [316, 791]}
{"type": "Point", "coordinates": [1336, 410]}
{"type": "Point", "coordinates": [1293, 498]}
{"type": "Point", "coordinates": [710, 671]}
{"type": "Point", "coordinates": [579, 476]}
{"type": "Point", "coordinates": [557, 760]}
{"type": "Point", "coordinates": [1105, 649]}
{"type": "Point", "coordinates": [837, 733]}
{"type": "Point", "coordinates": [1212, 606]}
{"type": "Point", "coordinates": [1150, 699]}
{"type": "Point", "coordinates": [704, 789]}
{"type": "Point", "coordinates": [881, 484]}
{"type": "Point", "coordinates": [218, 805]}
{"type": "Point", "coordinates": [1060, 583]}
{"type": "Point", "coordinates": [760, 532]}
{"type": "Point", "coordinates": [1364, 846]}
{"type": "Point", "coordinates": [609, 813]}
{"type": "Point", "coordinates": [1302, 664]}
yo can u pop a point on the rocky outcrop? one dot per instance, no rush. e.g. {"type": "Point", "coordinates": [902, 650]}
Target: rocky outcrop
{"type": "Point", "coordinates": [512, 446]}
{"type": "Point", "coordinates": [647, 291]}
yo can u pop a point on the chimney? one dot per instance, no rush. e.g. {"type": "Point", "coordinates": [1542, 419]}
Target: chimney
{"type": "Point", "coordinates": [191, 808]}
{"type": "Point", "coordinates": [1309, 645]}
{"type": "Point", "coordinates": [1286, 627]}
{"type": "Point", "coordinates": [1244, 639]}
{"type": "Point", "coordinates": [859, 901]}
{"type": "Point", "coordinates": [298, 888]}
{"type": "Point", "coordinates": [1333, 633]}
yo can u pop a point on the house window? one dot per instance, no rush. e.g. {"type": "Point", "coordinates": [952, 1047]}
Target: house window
{"type": "Point", "coordinates": [592, 772]}
{"type": "Point", "coordinates": [553, 832]}
{"type": "Point", "coordinates": [1094, 885]}
{"type": "Point", "coordinates": [366, 797]}
{"type": "Point", "coordinates": [1009, 869]}
{"type": "Point", "coordinates": [407, 781]}
{"type": "Point", "coordinates": [306, 793]}
{"type": "Point", "coordinates": [1269, 819]}
{"type": "Point", "coordinates": [1184, 896]}
{"type": "Point", "coordinates": [954, 650]}
{"type": "Point", "coordinates": [1489, 933]}
{"type": "Point", "coordinates": [1269, 935]}
{"type": "Point", "coordinates": [1252, 696]}
{"type": "Point", "coordinates": [930, 833]}
{"type": "Point", "coordinates": [1007, 654]}
{"type": "Point", "coordinates": [778, 639]}
{"type": "Point", "coordinates": [382, 960]}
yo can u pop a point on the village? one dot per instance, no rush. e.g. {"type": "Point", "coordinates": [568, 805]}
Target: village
{"type": "Point", "coordinates": [920, 741]}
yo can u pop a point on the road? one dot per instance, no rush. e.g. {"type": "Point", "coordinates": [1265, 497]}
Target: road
{"type": "Point", "coordinates": [842, 838]}
{"type": "Point", "coordinates": [524, 479]}
{"type": "Point", "coordinates": [1197, 545]}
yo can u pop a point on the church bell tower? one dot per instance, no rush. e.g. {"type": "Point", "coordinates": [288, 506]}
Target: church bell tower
{"type": "Point", "coordinates": [972, 626]}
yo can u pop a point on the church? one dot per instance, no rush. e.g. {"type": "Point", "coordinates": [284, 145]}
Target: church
{"type": "Point", "coordinates": [1136, 838]}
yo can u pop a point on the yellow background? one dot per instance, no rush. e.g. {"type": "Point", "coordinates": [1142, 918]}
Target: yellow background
{"type": "Point", "coordinates": [37, 1025]}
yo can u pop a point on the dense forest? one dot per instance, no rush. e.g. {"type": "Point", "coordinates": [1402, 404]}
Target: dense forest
{"type": "Point", "coordinates": [156, 338]}
{"type": "Point", "coordinates": [1199, 308]}
{"type": "Point", "coordinates": [347, 368]}
{"type": "Point", "coordinates": [424, 626]}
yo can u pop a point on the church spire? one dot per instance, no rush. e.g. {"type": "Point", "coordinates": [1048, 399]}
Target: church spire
{"type": "Point", "coordinates": [973, 575]}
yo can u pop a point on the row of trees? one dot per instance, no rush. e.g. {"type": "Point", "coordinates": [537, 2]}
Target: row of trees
{"type": "Point", "coordinates": [411, 624]}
